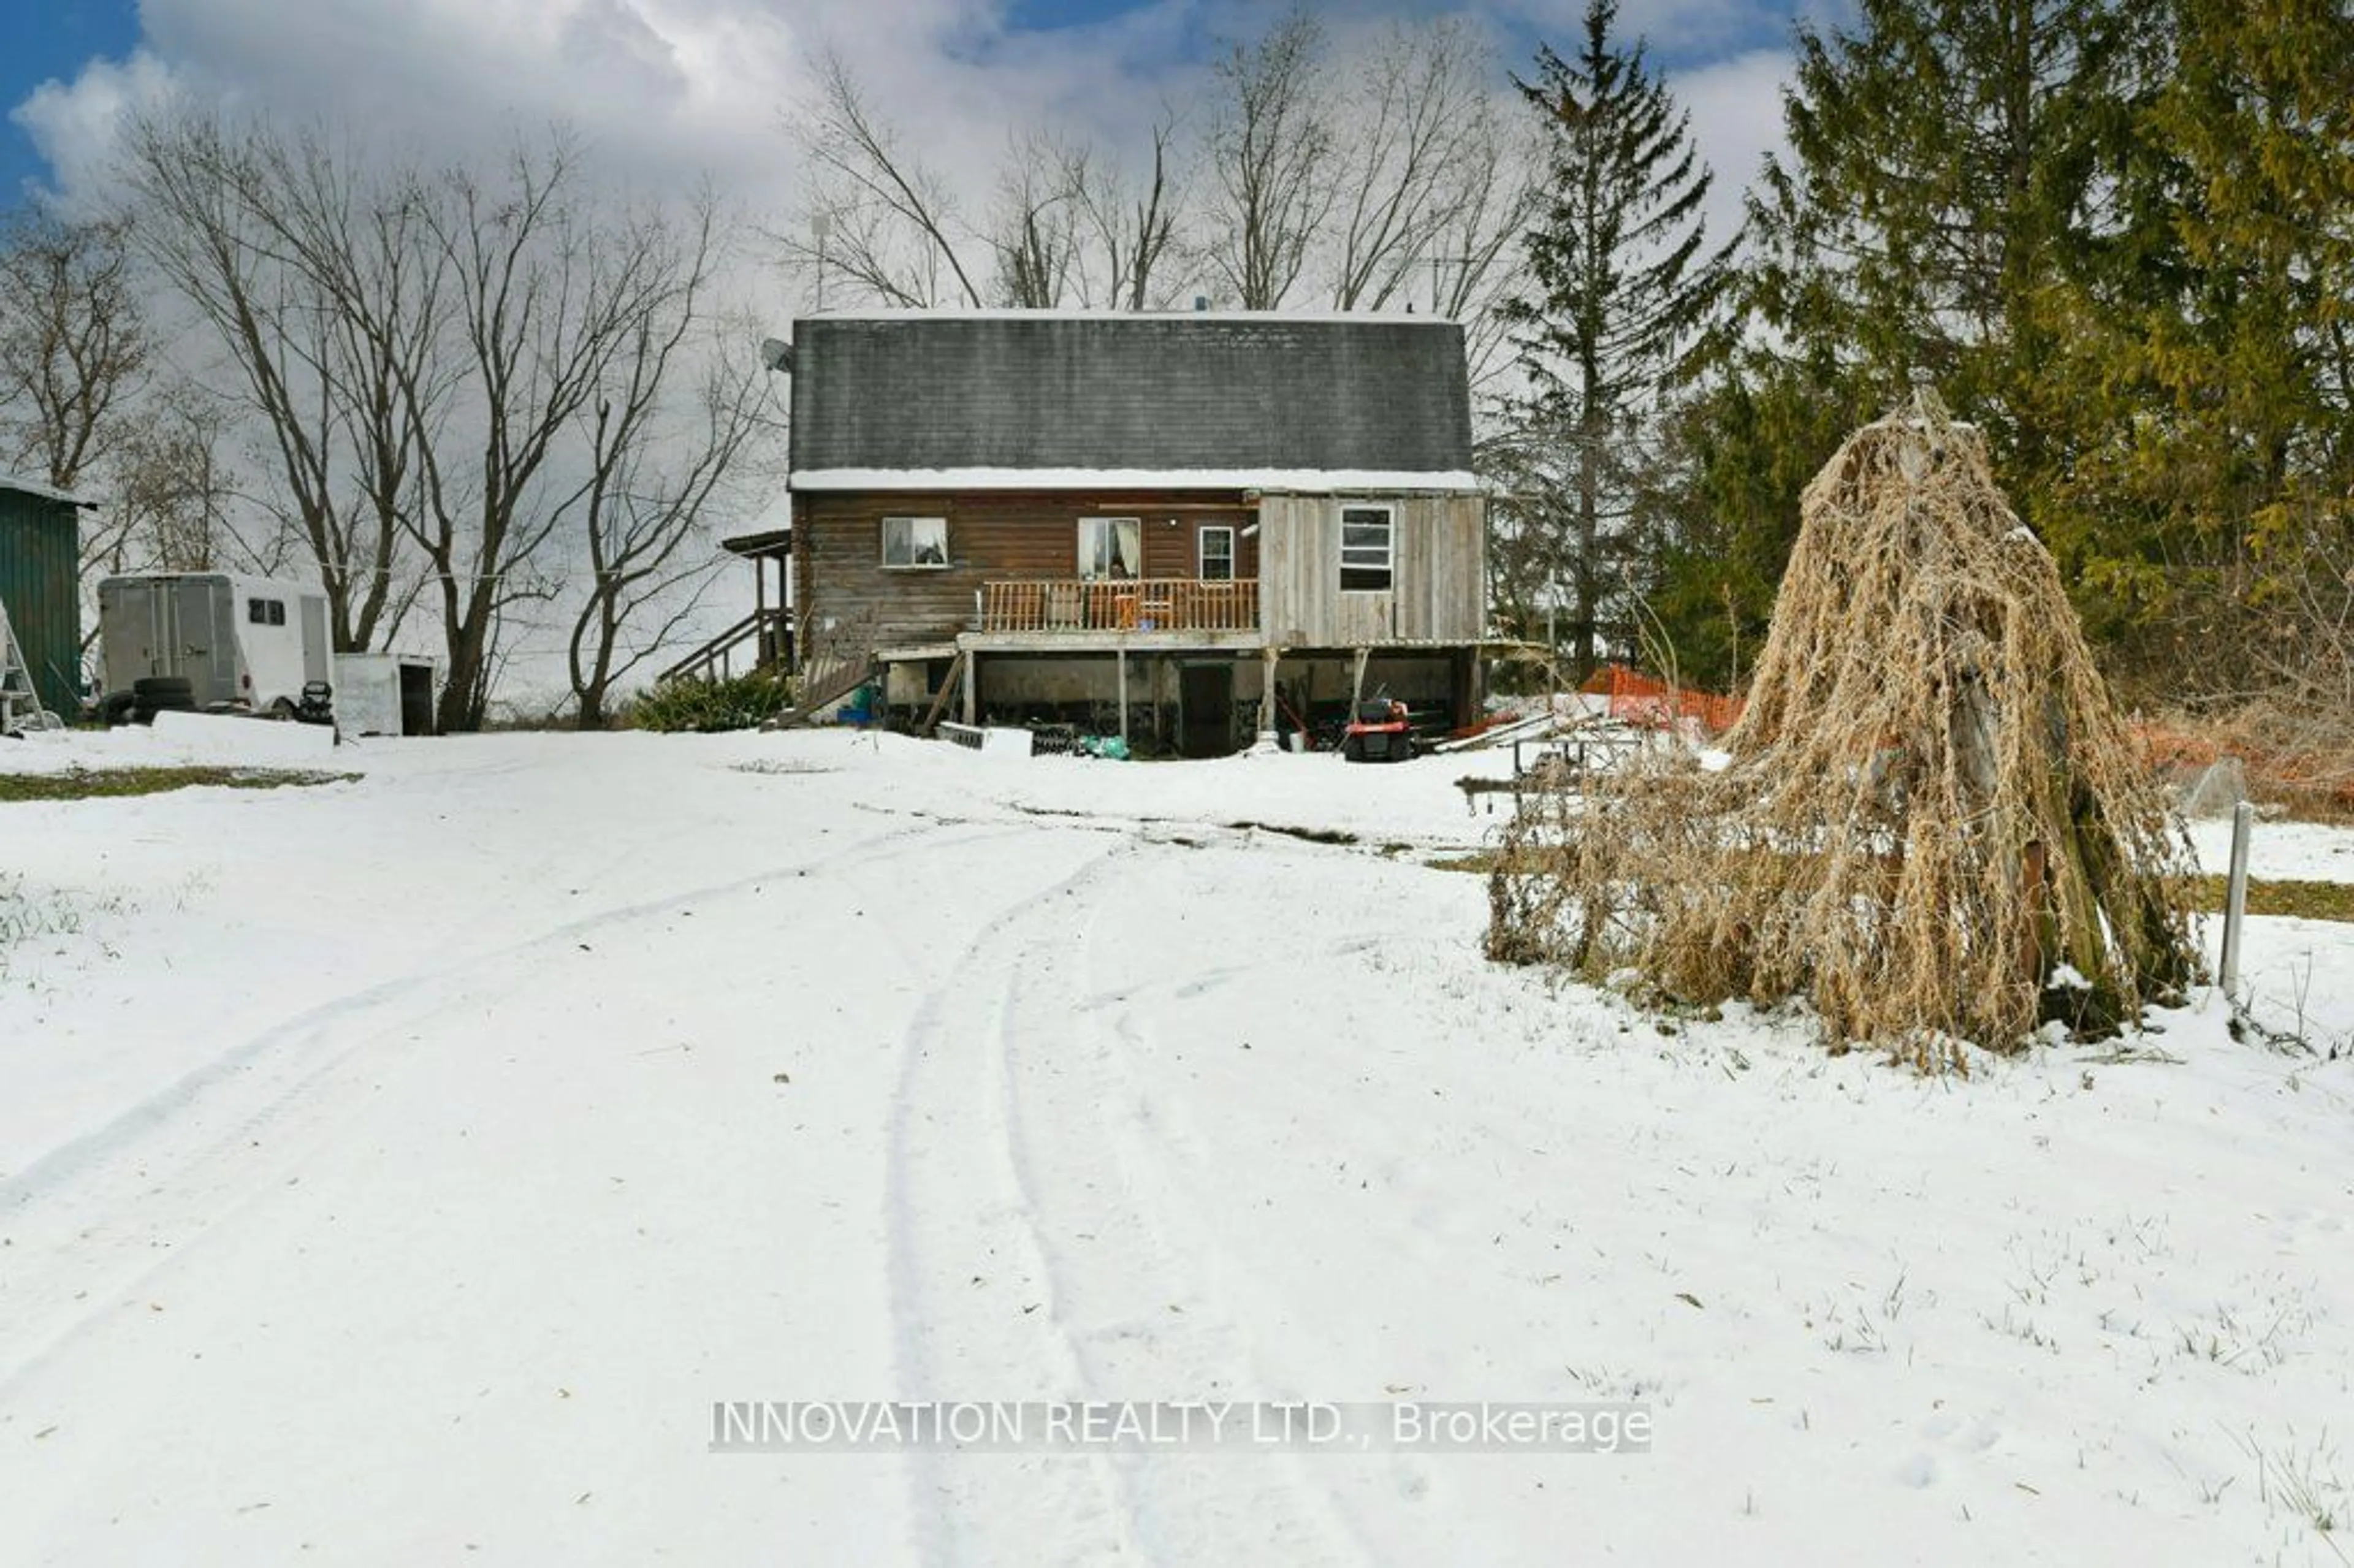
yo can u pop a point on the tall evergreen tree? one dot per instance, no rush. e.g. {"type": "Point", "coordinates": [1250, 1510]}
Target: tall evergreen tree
{"type": "Point", "coordinates": [1735, 456]}
{"type": "Point", "coordinates": [2220, 481]}
{"type": "Point", "coordinates": [1946, 195]}
{"type": "Point", "coordinates": [1625, 286]}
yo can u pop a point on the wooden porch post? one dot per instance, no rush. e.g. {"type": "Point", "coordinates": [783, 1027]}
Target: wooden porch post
{"type": "Point", "coordinates": [789, 599]}
{"type": "Point", "coordinates": [1357, 681]}
{"type": "Point", "coordinates": [1466, 687]}
{"type": "Point", "coordinates": [972, 687]}
{"type": "Point", "coordinates": [1121, 654]}
{"type": "Point", "coordinates": [1270, 658]}
{"type": "Point", "coordinates": [759, 613]}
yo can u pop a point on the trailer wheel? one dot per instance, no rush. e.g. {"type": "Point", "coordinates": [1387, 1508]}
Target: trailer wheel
{"type": "Point", "coordinates": [1353, 749]}
{"type": "Point", "coordinates": [115, 708]}
{"type": "Point", "coordinates": [1402, 749]}
{"type": "Point", "coordinates": [283, 711]}
{"type": "Point", "coordinates": [152, 694]}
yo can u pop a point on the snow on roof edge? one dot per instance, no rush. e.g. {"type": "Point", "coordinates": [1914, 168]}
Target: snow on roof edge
{"type": "Point", "coordinates": [1314, 480]}
{"type": "Point", "coordinates": [45, 491]}
{"type": "Point", "coordinates": [1387, 318]}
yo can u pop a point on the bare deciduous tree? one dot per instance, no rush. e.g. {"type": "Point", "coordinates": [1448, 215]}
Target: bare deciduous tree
{"type": "Point", "coordinates": [1433, 189]}
{"type": "Point", "coordinates": [73, 343]}
{"type": "Point", "coordinates": [74, 358]}
{"type": "Point", "coordinates": [1132, 228]}
{"type": "Point", "coordinates": [1271, 148]}
{"type": "Point", "coordinates": [173, 490]}
{"type": "Point", "coordinates": [1416, 130]}
{"type": "Point", "coordinates": [1034, 228]}
{"type": "Point", "coordinates": [418, 350]}
{"type": "Point", "coordinates": [1363, 179]}
{"type": "Point", "coordinates": [877, 215]}
{"type": "Point", "coordinates": [546, 294]}
{"type": "Point", "coordinates": [1476, 259]}
{"type": "Point", "coordinates": [1069, 224]}
{"type": "Point", "coordinates": [658, 463]}
{"type": "Point", "coordinates": [327, 307]}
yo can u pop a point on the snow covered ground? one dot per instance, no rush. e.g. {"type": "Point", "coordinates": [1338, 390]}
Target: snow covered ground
{"type": "Point", "coordinates": [399, 1170]}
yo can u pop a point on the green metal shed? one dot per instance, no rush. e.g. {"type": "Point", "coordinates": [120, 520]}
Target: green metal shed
{"type": "Point", "coordinates": [40, 572]}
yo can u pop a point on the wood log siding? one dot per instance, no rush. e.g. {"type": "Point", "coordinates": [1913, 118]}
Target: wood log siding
{"type": "Point", "coordinates": [1438, 556]}
{"type": "Point", "coordinates": [990, 539]}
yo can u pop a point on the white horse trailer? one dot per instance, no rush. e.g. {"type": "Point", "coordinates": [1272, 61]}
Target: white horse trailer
{"type": "Point", "coordinates": [238, 641]}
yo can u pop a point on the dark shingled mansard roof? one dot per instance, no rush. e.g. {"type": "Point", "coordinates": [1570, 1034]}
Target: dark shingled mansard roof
{"type": "Point", "coordinates": [1045, 394]}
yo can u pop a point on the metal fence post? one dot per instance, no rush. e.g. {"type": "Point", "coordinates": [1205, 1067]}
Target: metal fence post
{"type": "Point", "coordinates": [2235, 898]}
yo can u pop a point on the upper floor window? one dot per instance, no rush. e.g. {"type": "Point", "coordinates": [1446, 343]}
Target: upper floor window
{"type": "Point", "coordinates": [1367, 560]}
{"type": "Point", "coordinates": [1217, 555]}
{"type": "Point", "coordinates": [265, 611]}
{"type": "Point", "coordinates": [915, 541]}
{"type": "Point", "coordinates": [1111, 547]}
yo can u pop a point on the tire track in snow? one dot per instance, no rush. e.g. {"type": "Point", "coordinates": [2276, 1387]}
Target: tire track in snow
{"type": "Point", "coordinates": [1207, 1508]}
{"type": "Point", "coordinates": [972, 1290]}
{"type": "Point", "coordinates": [1029, 1263]}
{"type": "Point", "coordinates": [194, 1140]}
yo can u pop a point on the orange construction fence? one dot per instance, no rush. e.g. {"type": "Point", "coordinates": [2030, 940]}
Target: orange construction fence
{"type": "Point", "coordinates": [1640, 699]}
{"type": "Point", "coordinates": [2272, 770]}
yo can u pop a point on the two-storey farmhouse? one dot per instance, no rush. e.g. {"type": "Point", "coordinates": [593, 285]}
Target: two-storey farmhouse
{"type": "Point", "coordinates": [1195, 527]}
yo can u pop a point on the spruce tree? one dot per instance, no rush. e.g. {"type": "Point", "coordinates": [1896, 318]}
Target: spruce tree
{"type": "Point", "coordinates": [2219, 482]}
{"type": "Point", "coordinates": [1735, 457]}
{"type": "Point", "coordinates": [1943, 200]}
{"type": "Point", "coordinates": [1625, 286]}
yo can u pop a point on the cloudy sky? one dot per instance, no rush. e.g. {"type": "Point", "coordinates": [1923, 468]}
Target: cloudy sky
{"type": "Point", "coordinates": [665, 88]}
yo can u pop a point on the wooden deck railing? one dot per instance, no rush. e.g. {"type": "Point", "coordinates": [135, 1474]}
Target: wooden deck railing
{"type": "Point", "coordinates": [1120, 604]}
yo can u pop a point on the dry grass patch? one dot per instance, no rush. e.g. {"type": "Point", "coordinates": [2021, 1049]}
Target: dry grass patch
{"type": "Point", "coordinates": [1935, 825]}
{"type": "Point", "coordinates": [84, 784]}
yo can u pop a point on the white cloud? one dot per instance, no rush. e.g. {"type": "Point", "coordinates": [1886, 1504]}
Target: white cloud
{"type": "Point", "coordinates": [665, 92]}
{"type": "Point", "coordinates": [1676, 30]}
{"type": "Point", "coordinates": [1737, 120]}
{"type": "Point", "coordinates": [664, 89]}
{"type": "Point", "coordinates": [73, 124]}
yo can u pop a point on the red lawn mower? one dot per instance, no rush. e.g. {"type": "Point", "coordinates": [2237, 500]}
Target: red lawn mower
{"type": "Point", "coordinates": [1379, 733]}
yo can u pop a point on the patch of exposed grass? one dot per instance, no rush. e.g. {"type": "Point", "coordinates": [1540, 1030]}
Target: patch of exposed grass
{"type": "Point", "coordinates": [1312, 836]}
{"type": "Point", "coordinates": [85, 784]}
{"type": "Point", "coordinates": [2307, 900]}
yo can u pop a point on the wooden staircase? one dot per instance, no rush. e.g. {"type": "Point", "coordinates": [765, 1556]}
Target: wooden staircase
{"type": "Point", "coordinates": [769, 635]}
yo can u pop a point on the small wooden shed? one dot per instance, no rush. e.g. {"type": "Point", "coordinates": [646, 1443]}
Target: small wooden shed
{"type": "Point", "coordinates": [40, 573]}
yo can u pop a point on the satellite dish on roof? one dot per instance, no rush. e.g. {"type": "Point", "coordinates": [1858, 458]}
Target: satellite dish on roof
{"type": "Point", "coordinates": [777, 355]}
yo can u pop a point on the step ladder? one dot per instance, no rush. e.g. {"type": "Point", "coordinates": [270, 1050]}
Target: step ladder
{"type": "Point", "coordinates": [20, 705]}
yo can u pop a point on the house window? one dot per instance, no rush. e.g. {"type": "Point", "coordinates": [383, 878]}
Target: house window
{"type": "Point", "coordinates": [1111, 547]}
{"type": "Point", "coordinates": [915, 541]}
{"type": "Point", "coordinates": [1367, 535]}
{"type": "Point", "coordinates": [1217, 555]}
{"type": "Point", "coordinates": [265, 611]}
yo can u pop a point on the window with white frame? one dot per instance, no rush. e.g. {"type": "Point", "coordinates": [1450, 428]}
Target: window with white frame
{"type": "Point", "coordinates": [915, 541]}
{"type": "Point", "coordinates": [1111, 547]}
{"type": "Point", "coordinates": [1367, 559]}
{"type": "Point", "coordinates": [1217, 554]}
{"type": "Point", "coordinates": [265, 611]}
